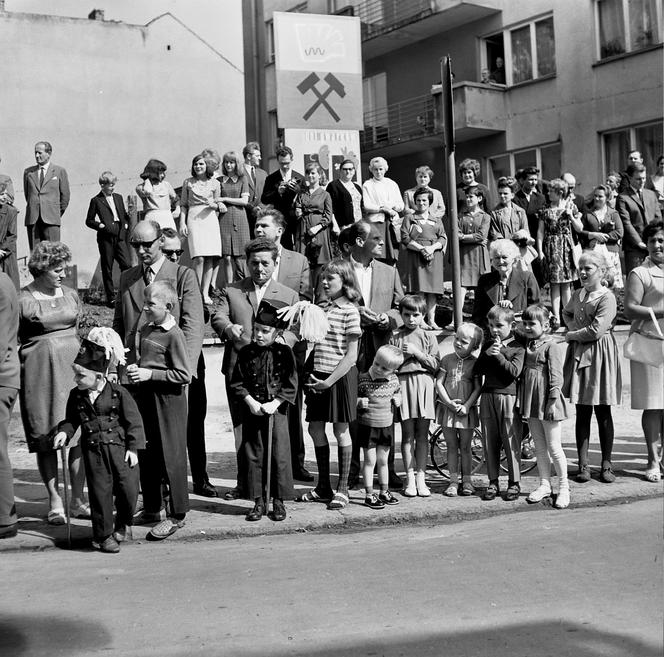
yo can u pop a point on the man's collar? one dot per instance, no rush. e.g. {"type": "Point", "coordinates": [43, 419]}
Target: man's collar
{"type": "Point", "coordinates": [157, 264]}
{"type": "Point", "coordinates": [356, 263]}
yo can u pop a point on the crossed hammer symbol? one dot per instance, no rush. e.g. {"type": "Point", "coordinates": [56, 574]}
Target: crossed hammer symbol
{"type": "Point", "coordinates": [333, 85]}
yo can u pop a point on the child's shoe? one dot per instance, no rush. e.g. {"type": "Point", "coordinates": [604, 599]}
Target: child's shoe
{"type": "Point", "coordinates": [421, 486]}
{"type": "Point", "coordinates": [411, 488]}
{"type": "Point", "coordinates": [452, 490]}
{"type": "Point", "coordinates": [491, 492]}
{"type": "Point", "coordinates": [109, 545]}
{"type": "Point", "coordinates": [467, 489]}
{"type": "Point", "coordinates": [513, 492]}
{"type": "Point", "coordinates": [373, 502]}
{"type": "Point", "coordinates": [541, 492]}
{"type": "Point", "coordinates": [562, 499]}
{"type": "Point", "coordinates": [387, 498]}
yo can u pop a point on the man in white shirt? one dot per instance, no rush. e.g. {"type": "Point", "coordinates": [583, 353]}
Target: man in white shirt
{"type": "Point", "coordinates": [46, 189]}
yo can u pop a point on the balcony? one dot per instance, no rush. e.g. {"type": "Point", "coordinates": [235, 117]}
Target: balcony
{"type": "Point", "coordinates": [391, 24]}
{"type": "Point", "coordinates": [416, 123]}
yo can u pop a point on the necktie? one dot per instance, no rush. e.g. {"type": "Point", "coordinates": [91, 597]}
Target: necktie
{"type": "Point", "coordinates": [253, 174]}
{"type": "Point", "coordinates": [147, 276]}
{"type": "Point", "coordinates": [41, 176]}
{"type": "Point", "coordinates": [502, 289]}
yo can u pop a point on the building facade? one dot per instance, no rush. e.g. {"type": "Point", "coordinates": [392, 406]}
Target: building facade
{"type": "Point", "coordinates": [582, 82]}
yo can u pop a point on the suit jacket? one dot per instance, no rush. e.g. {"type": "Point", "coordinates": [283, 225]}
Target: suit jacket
{"type": "Point", "coordinates": [255, 188]}
{"type": "Point", "coordinates": [8, 264]}
{"type": "Point", "coordinates": [238, 305]}
{"type": "Point", "coordinates": [532, 208]}
{"type": "Point", "coordinates": [188, 311]}
{"type": "Point", "coordinates": [504, 226]}
{"type": "Point", "coordinates": [10, 371]}
{"type": "Point", "coordinates": [636, 215]}
{"type": "Point", "coordinates": [522, 291]}
{"type": "Point", "coordinates": [6, 181]}
{"type": "Point", "coordinates": [612, 228]}
{"type": "Point", "coordinates": [49, 201]}
{"type": "Point", "coordinates": [294, 273]}
{"type": "Point", "coordinates": [100, 214]}
{"type": "Point", "coordinates": [342, 203]}
{"type": "Point", "coordinates": [271, 196]}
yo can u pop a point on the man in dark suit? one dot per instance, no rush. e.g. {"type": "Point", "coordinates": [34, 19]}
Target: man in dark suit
{"type": "Point", "coordinates": [107, 216]}
{"type": "Point", "coordinates": [233, 322]}
{"type": "Point", "coordinates": [46, 189]}
{"type": "Point", "coordinates": [255, 177]}
{"type": "Point", "coordinates": [146, 239]}
{"type": "Point", "coordinates": [292, 270]}
{"type": "Point", "coordinates": [381, 291]}
{"type": "Point", "coordinates": [532, 201]}
{"type": "Point", "coordinates": [6, 189]}
{"type": "Point", "coordinates": [280, 190]}
{"type": "Point", "coordinates": [637, 207]}
{"type": "Point", "coordinates": [9, 384]}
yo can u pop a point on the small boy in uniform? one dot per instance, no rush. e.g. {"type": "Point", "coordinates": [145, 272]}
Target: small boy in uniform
{"type": "Point", "coordinates": [501, 362]}
{"type": "Point", "coordinates": [378, 394]}
{"type": "Point", "coordinates": [111, 435]}
{"type": "Point", "coordinates": [264, 380]}
{"type": "Point", "coordinates": [158, 372]}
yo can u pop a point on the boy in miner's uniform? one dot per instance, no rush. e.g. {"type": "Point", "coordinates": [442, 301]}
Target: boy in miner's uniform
{"type": "Point", "coordinates": [265, 382]}
{"type": "Point", "coordinates": [111, 435]}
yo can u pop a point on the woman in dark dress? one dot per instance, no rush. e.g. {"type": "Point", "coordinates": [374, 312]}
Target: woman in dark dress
{"type": "Point", "coordinates": [49, 343]}
{"type": "Point", "coordinates": [313, 211]}
{"type": "Point", "coordinates": [346, 195]}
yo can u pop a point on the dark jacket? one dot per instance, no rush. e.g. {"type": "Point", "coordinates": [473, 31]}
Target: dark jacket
{"type": "Point", "coordinates": [502, 371]}
{"type": "Point", "coordinates": [100, 214]}
{"type": "Point", "coordinates": [342, 203]}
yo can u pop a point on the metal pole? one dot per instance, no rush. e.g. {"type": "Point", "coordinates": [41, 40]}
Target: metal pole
{"type": "Point", "coordinates": [448, 128]}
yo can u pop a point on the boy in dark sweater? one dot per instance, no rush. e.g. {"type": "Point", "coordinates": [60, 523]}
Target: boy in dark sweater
{"type": "Point", "coordinates": [158, 372]}
{"type": "Point", "coordinates": [501, 362]}
{"type": "Point", "coordinates": [111, 435]}
{"type": "Point", "coordinates": [264, 380]}
{"type": "Point", "coordinates": [378, 394]}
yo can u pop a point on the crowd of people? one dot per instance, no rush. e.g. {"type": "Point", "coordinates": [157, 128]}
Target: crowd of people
{"type": "Point", "coordinates": [329, 300]}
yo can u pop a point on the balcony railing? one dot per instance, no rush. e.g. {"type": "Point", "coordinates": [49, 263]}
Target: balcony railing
{"type": "Point", "coordinates": [406, 120]}
{"type": "Point", "coordinates": [382, 16]}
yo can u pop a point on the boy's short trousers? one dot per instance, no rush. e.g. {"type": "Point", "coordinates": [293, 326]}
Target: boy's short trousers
{"type": "Point", "coordinates": [374, 436]}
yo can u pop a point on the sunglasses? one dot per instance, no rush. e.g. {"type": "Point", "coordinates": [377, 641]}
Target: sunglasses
{"type": "Point", "coordinates": [146, 245]}
{"type": "Point", "coordinates": [172, 252]}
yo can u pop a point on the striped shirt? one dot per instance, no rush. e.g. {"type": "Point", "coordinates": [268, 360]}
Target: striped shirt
{"type": "Point", "coordinates": [344, 320]}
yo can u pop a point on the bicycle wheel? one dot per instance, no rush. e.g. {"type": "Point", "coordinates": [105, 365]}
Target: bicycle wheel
{"type": "Point", "coordinates": [438, 451]}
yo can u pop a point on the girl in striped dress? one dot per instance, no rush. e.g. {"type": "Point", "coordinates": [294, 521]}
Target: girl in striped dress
{"type": "Point", "coordinates": [331, 388]}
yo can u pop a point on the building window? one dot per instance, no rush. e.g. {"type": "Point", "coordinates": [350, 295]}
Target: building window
{"type": "Point", "coordinates": [546, 158]}
{"type": "Point", "coordinates": [530, 48]}
{"type": "Point", "coordinates": [646, 138]}
{"type": "Point", "coordinates": [269, 41]}
{"type": "Point", "coordinates": [627, 25]}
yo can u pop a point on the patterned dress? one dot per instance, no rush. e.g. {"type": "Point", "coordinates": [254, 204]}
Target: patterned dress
{"type": "Point", "coordinates": [49, 344]}
{"type": "Point", "coordinates": [233, 223]}
{"type": "Point", "coordinates": [557, 245]}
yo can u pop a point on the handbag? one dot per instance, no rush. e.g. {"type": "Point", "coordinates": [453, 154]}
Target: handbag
{"type": "Point", "coordinates": [646, 348]}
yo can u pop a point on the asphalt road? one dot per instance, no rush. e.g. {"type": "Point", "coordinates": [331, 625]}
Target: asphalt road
{"type": "Point", "coordinates": [581, 582]}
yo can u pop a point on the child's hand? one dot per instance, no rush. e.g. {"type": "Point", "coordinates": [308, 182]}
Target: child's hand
{"type": "Point", "coordinates": [270, 408]}
{"type": "Point", "coordinates": [461, 410]}
{"type": "Point", "coordinates": [411, 350]}
{"type": "Point", "coordinates": [131, 458]}
{"type": "Point", "coordinates": [505, 303]}
{"type": "Point", "coordinates": [549, 410]}
{"type": "Point", "coordinates": [362, 403]}
{"type": "Point", "coordinates": [59, 440]}
{"type": "Point", "coordinates": [396, 401]}
{"type": "Point", "coordinates": [317, 385]}
{"type": "Point", "coordinates": [494, 349]}
{"type": "Point", "coordinates": [137, 374]}
{"type": "Point", "coordinates": [454, 403]}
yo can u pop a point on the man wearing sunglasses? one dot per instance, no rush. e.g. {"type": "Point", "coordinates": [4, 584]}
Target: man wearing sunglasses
{"type": "Point", "coordinates": [171, 247]}
{"type": "Point", "coordinates": [146, 240]}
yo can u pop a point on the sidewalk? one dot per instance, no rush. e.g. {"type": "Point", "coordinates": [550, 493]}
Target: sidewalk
{"type": "Point", "coordinates": [222, 519]}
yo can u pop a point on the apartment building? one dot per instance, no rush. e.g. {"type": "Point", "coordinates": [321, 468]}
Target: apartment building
{"type": "Point", "coordinates": [581, 83]}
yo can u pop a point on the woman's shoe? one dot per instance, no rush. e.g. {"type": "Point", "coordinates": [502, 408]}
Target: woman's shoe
{"type": "Point", "coordinates": [81, 511]}
{"type": "Point", "coordinates": [607, 476]}
{"type": "Point", "coordinates": [583, 475]}
{"type": "Point", "coordinates": [411, 487]}
{"type": "Point", "coordinates": [490, 493]}
{"type": "Point", "coordinates": [540, 493]}
{"type": "Point", "coordinates": [467, 489]}
{"type": "Point", "coordinates": [56, 517]}
{"type": "Point", "coordinates": [562, 499]}
{"type": "Point", "coordinates": [653, 475]}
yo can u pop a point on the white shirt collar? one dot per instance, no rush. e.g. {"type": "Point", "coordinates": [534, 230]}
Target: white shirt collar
{"type": "Point", "coordinates": [167, 324]}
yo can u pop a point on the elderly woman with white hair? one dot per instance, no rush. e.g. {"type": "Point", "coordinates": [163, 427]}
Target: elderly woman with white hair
{"type": "Point", "coordinates": [505, 285]}
{"type": "Point", "coordinates": [383, 204]}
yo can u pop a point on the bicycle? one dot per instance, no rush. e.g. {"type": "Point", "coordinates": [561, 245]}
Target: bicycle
{"type": "Point", "coordinates": [438, 453]}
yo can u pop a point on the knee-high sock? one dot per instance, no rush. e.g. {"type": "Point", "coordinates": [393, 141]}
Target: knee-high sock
{"type": "Point", "coordinates": [323, 461]}
{"type": "Point", "coordinates": [345, 454]}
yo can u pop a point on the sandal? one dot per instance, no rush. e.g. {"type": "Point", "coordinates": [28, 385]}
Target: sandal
{"type": "Point", "coordinates": [653, 475]}
{"type": "Point", "coordinates": [313, 496]}
{"type": "Point", "coordinates": [339, 501]}
{"type": "Point", "coordinates": [490, 493]}
{"type": "Point", "coordinates": [81, 511]}
{"type": "Point", "coordinates": [56, 517]}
